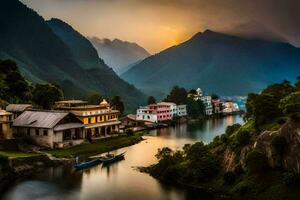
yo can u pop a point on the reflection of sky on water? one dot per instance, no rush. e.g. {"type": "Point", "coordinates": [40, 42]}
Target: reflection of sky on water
{"type": "Point", "coordinates": [201, 130]}
{"type": "Point", "coordinates": [120, 180]}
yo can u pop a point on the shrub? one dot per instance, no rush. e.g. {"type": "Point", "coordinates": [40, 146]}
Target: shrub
{"type": "Point", "coordinates": [290, 178]}
{"type": "Point", "coordinates": [243, 187]}
{"type": "Point", "coordinates": [231, 129]}
{"type": "Point", "coordinates": [243, 137]}
{"type": "Point", "coordinates": [129, 132]}
{"type": "Point", "coordinates": [229, 177]}
{"type": "Point", "coordinates": [256, 161]}
{"type": "Point", "coordinates": [279, 144]}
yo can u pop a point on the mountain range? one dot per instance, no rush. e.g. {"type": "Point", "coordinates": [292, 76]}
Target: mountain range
{"type": "Point", "coordinates": [218, 63]}
{"type": "Point", "coordinates": [118, 54]}
{"type": "Point", "coordinates": [52, 51]}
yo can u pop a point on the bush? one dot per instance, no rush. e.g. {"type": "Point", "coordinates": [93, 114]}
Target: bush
{"type": "Point", "coordinates": [290, 178]}
{"type": "Point", "coordinates": [229, 177]}
{"type": "Point", "coordinates": [243, 137]}
{"type": "Point", "coordinates": [129, 132]}
{"type": "Point", "coordinates": [231, 129]}
{"type": "Point", "coordinates": [256, 162]}
{"type": "Point", "coordinates": [279, 144]}
{"type": "Point", "coordinates": [243, 187]}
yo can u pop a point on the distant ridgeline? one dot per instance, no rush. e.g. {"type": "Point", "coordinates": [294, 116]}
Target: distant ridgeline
{"type": "Point", "coordinates": [53, 51]}
{"type": "Point", "coordinates": [220, 63]}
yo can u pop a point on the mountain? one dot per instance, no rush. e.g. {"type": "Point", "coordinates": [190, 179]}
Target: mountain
{"type": "Point", "coordinates": [119, 54]}
{"type": "Point", "coordinates": [218, 63]}
{"type": "Point", "coordinates": [54, 52]}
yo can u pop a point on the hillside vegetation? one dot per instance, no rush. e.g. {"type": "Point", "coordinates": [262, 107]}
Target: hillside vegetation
{"type": "Point", "coordinates": [257, 160]}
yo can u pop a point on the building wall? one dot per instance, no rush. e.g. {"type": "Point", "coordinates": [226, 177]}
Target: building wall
{"type": "Point", "coordinates": [37, 135]}
{"type": "Point", "coordinates": [181, 110]}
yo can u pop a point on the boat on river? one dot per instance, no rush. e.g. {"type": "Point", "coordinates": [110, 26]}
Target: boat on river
{"type": "Point", "coordinates": [88, 164]}
{"type": "Point", "coordinates": [111, 158]}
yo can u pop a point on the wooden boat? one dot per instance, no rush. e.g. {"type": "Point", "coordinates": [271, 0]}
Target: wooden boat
{"type": "Point", "coordinates": [111, 158]}
{"type": "Point", "coordinates": [87, 164]}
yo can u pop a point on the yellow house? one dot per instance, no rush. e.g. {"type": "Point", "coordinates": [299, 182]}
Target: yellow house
{"type": "Point", "coordinates": [5, 124]}
{"type": "Point", "coordinates": [99, 120]}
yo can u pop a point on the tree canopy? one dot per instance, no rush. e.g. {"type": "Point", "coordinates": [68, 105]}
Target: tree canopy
{"type": "Point", "coordinates": [177, 95]}
{"type": "Point", "coordinates": [45, 95]}
{"type": "Point", "coordinates": [151, 100]}
{"type": "Point", "coordinates": [117, 104]}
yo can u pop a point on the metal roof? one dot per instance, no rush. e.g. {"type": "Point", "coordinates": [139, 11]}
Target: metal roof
{"type": "Point", "coordinates": [62, 127]}
{"type": "Point", "coordinates": [39, 119]}
{"type": "Point", "coordinates": [18, 107]}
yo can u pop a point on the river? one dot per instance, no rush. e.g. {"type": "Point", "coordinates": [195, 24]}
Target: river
{"type": "Point", "coordinates": [121, 180]}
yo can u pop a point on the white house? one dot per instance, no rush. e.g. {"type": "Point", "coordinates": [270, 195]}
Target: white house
{"type": "Point", "coordinates": [146, 114]}
{"type": "Point", "coordinates": [207, 104]}
{"type": "Point", "coordinates": [49, 128]}
{"type": "Point", "coordinates": [181, 110]}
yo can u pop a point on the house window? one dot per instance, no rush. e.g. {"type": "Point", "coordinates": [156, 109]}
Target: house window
{"type": "Point", "coordinates": [45, 133]}
{"type": "Point", "coordinates": [36, 132]}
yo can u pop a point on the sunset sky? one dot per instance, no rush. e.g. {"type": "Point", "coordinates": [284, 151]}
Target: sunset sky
{"type": "Point", "coordinates": [158, 24]}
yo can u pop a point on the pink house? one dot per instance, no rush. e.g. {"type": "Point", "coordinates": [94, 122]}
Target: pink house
{"type": "Point", "coordinates": [163, 111]}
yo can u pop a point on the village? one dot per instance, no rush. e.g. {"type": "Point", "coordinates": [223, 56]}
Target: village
{"type": "Point", "coordinates": [74, 122]}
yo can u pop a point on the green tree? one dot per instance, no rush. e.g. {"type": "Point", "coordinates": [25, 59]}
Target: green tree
{"type": "Point", "coordinates": [45, 95]}
{"type": "Point", "coordinates": [194, 108]}
{"type": "Point", "coordinates": [291, 104]}
{"type": "Point", "coordinates": [94, 99]}
{"type": "Point", "coordinates": [117, 104]}
{"type": "Point", "coordinates": [243, 137]}
{"type": "Point", "coordinates": [256, 162]}
{"type": "Point", "coordinates": [151, 100]}
{"type": "Point", "coordinates": [177, 95]}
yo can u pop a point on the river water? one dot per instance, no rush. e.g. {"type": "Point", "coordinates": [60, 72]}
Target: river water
{"type": "Point", "coordinates": [121, 180]}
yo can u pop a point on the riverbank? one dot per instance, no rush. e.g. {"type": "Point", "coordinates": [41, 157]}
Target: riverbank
{"type": "Point", "coordinates": [98, 147]}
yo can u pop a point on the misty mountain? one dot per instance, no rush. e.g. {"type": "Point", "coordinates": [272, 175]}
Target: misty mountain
{"type": "Point", "coordinates": [218, 63]}
{"type": "Point", "coordinates": [119, 54]}
{"type": "Point", "coordinates": [54, 52]}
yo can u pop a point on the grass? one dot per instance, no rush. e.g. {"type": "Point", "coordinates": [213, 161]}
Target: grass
{"type": "Point", "coordinates": [97, 147]}
{"type": "Point", "coordinates": [16, 154]}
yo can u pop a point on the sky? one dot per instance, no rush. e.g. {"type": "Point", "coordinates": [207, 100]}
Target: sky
{"type": "Point", "coordinates": [159, 24]}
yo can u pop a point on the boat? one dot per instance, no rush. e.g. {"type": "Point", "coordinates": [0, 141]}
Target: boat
{"type": "Point", "coordinates": [111, 158]}
{"type": "Point", "coordinates": [87, 164]}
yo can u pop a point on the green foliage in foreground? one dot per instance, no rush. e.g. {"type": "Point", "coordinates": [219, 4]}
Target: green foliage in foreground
{"type": "Point", "coordinates": [16, 154]}
{"type": "Point", "coordinates": [100, 146]}
{"type": "Point", "coordinates": [191, 165]}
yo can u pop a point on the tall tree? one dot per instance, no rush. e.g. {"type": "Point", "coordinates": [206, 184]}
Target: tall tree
{"type": "Point", "coordinates": [177, 95]}
{"type": "Point", "coordinates": [45, 95]}
{"type": "Point", "coordinates": [117, 104]}
{"type": "Point", "coordinates": [94, 99]}
{"type": "Point", "coordinates": [151, 100]}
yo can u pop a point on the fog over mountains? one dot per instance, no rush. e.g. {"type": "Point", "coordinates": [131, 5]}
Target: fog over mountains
{"type": "Point", "coordinates": [118, 54]}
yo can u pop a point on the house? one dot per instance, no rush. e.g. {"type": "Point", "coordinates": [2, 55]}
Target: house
{"type": "Point", "coordinates": [99, 120]}
{"type": "Point", "coordinates": [5, 124]}
{"type": "Point", "coordinates": [146, 114]}
{"type": "Point", "coordinates": [52, 129]}
{"type": "Point", "coordinates": [171, 106]}
{"type": "Point", "coordinates": [181, 110]}
{"type": "Point", "coordinates": [207, 101]}
{"type": "Point", "coordinates": [217, 106]}
{"type": "Point", "coordinates": [230, 107]}
{"type": "Point", "coordinates": [131, 121]}
{"type": "Point", "coordinates": [163, 111]}
{"type": "Point", "coordinates": [17, 109]}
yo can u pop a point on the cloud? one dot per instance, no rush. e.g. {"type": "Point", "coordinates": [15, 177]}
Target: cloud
{"type": "Point", "coordinates": [142, 20]}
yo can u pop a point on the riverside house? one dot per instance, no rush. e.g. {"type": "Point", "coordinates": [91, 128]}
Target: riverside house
{"type": "Point", "coordinates": [99, 120]}
{"type": "Point", "coordinates": [5, 124]}
{"type": "Point", "coordinates": [17, 109]}
{"type": "Point", "coordinates": [52, 129]}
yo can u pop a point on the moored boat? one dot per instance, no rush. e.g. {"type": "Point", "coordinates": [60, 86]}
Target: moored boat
{"type": "Point", "coordinates": [87, 164]}
{"type": "Point", "coordinates": [111, 158]}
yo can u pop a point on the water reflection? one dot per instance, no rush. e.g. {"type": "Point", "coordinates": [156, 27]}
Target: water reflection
{"type": "Point", "coordinates": [120, 180]}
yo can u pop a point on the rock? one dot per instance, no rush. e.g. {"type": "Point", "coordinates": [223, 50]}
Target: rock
{"type": "Point", "coordinates": [290, 159]}
{"type": "Point", "coordinates": [229, 161]}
